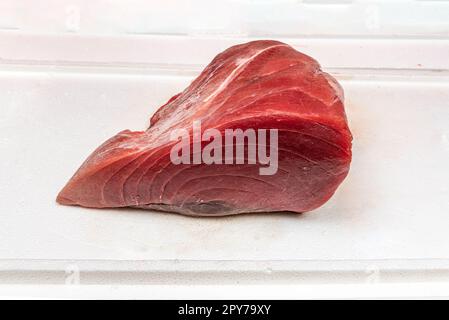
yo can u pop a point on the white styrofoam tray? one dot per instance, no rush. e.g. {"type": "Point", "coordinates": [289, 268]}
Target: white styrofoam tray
{"type": "Point", "coordinates": [391, 215]}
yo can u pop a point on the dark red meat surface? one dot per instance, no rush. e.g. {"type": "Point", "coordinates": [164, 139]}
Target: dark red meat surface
{"type": "Point", "coordinates": [260, 84]}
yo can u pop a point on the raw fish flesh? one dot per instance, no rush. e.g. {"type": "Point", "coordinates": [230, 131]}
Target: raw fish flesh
{"type": "Point", "coordinates": [260, 85]}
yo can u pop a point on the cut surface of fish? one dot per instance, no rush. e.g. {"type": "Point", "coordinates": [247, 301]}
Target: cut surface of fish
{"type": "Point", "coordinates": [261, 129]}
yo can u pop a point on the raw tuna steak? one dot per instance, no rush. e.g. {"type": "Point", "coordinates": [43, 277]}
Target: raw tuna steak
{"type": "Point", "coordinates": [260, 85]}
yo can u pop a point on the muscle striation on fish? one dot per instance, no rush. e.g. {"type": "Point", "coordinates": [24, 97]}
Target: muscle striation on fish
{"type": "Point", "coordinates": [257, 85]}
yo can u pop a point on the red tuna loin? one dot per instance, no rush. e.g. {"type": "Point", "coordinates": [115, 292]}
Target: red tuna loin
{"type": "Point", "coordinates": [260, 84]}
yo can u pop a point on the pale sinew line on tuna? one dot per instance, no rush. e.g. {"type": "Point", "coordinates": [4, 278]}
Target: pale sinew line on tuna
{"type": "Point", "coordinates": [250, 147]}
{"type": "Point", "coordinates": [260, 85]}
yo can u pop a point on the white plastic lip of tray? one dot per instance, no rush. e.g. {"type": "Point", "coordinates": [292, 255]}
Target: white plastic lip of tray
{"type": "Point", "coordinates": [268, 18]}
{"type": "Point", "coordinates": [221, 271]}
{"type": "Point", "coordinates": [47, 71]}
